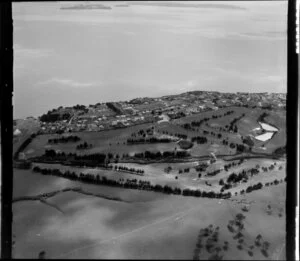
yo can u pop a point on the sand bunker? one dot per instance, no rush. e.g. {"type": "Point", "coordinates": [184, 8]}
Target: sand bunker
{"type": "Point", "coordinates": [267, 127]}
{"type": "Point", "coordinates": [265, 136]}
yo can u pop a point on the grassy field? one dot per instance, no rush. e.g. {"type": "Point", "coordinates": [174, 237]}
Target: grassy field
{"type": "Point", "coordinates": [103, 141]}
{"type": "Point", "coordinates": [246, 126]}
{"type": "Point", "coordinates": [155, 226]}
{"type": "Point", "coordinates": [155, 173]}
{"type": "Point", "coordinates": [152, 225]}
{"type": "Point", "coordinates": [114, 141]}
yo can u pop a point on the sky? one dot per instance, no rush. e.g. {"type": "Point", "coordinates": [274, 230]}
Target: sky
{"type": "Point", "coordinates": [69, 57]}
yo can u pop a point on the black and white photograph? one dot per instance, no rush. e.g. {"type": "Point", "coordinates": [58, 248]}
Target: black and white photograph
{"type": "Point", "coordinates": [149, 130]}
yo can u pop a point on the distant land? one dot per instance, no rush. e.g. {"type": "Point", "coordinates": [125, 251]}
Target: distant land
{"type": "Point", "coordinates": [85, 6]}
{"type": "Point", "coordinates": [122, 5]}
{"type": "Point", "coordinates": [193, 5]}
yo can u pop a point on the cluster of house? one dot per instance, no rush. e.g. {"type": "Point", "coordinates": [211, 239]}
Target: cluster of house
{"type": "Point", "coordinates": [142, 110]}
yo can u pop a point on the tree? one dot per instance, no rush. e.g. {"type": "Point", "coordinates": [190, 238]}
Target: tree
{"type": "Point", "coordinates": [240, 217]}
{"type": "Point", "coordinates": [265, 245]}
{"type": "Point", "coordinates": [235, 129]}
{"type": "Point", "coordinates": [42, 255]}
{"type": "Point", "coordinates": [221, 182]}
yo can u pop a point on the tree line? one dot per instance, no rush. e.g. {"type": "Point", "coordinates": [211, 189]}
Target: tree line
{"type": "Point", "coordinates": [280, 151]}
{"type": "Point", "coordinates": [262, 117]}
{"type": "Point", "coordinates": [130, 184]}
{"type": "Point", "coordinates": [213, 173]}
{"type": "Point", "coordinates": [131, 170]}
{"type": "Point", "coordinates": [113, 107]}
{"type": "Point", "coordinates": [275, 182]}
{"type": "Point", "coordinates": [232, 124]}
{"type": "Point", "coordinates": [254, 187]}
{"type": "Point", "coordinates": [24, 145]}
{"type": "Point", "coordinates": [234, 178]}
{"type": "Point", "coordinates": [52, 155]}
{"type": "Point", "coordinates": [159, 155]}
{"type": "Point", "coordinates": [101, 158]}
{"type": "Point", "coordinates": [83, 146]}
{"type": "Point", "coordinates": [148, 140]}
{"type": "Point", "coordinates": [142, 132]}
{"type": "Point", "coordinates": [53, 117]}
{"type": "Point", "coordinates": [178, 135]}
{"type": "Point", "coordinates": [193, 124]}
{"type": "Point", "coordinates": [185, 170]}
{"type": "Point", "coordinates": [64, 139]}
{"type": "Point", "coordinates": [232, 164]}
{"type": "Point", "coordinates": [199, 139]}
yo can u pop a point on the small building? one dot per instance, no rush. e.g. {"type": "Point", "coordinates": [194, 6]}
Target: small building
{"type": "Point", "coordinates": [17, 132]}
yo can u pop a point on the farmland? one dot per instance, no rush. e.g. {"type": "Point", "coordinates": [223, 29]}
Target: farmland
{"type": "Point", "coordinates": [171, 187]}
{"type": "Point", "coordinates": [154, 225]}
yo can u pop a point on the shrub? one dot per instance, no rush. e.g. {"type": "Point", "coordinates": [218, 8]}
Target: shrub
{"type": "Point", "coordinates": [230, 228]}
{"type": "Point", "coordinates": [265, 245]}
{"type": "Point", "coordinates": [238, 235]}
{"type": "Point", "coordinates": [42, 255]}
{"type": "Point", "coordinates": [264, 252]}
{"type": "Point", "coordinates": [209, 246]}
{"type": "Point", "coordinates": [240, 217]}
{"type": "Point", "coordinates": [240, 247]}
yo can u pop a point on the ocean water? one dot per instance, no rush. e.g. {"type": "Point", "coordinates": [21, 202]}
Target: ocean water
{"type": "Point", "coordinates": [68, 57]}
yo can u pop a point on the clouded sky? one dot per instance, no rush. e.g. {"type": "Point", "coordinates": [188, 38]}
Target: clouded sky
{"type": "Point", "coordinates": [66, 57]}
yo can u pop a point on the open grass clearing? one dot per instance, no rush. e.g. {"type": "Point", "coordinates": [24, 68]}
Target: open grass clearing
{"type": "Point", "coordinates": [163, 228]}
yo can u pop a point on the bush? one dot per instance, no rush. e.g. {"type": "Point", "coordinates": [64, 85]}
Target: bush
{"type": "Point", "coordinates": [240, 247]}
{"type": "Point", "coordinates": [42, 255]}
{"type": "Point", "coordinates": [240, 217]}
{"type": "Point", "coordinates": [230, 228]}
{"type": "Point", "coordinates": [266, 245]}
{"type": "Point", "coordinates": [257, 243]}
{"type": "Point", "coordinates": [264, 252]}
{"type": "Point", "coordinates": [238, 235]}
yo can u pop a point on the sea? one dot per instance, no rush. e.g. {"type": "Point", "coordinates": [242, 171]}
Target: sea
{"type": "Point", "coordinates": [69, 57]}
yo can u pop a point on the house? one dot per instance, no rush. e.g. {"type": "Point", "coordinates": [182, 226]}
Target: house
{"type": "Point", "coordinates": [17, 132]}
